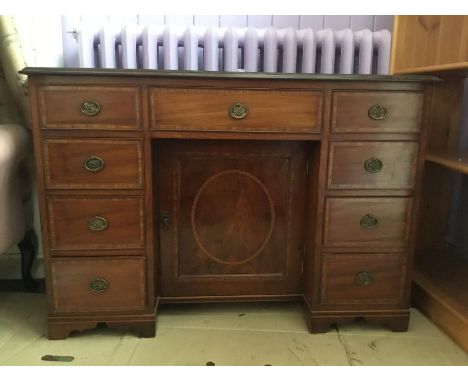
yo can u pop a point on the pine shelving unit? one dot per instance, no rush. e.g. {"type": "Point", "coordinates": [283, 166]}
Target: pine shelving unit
{"type": "Point", "coordinates": [438, 45]}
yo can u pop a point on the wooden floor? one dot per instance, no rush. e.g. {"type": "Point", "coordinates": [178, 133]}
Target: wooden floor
{"type": "Point", "coordinates": [222, 334]}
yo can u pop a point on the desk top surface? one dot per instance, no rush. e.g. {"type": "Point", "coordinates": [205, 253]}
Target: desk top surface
{"type": "Point", "coordinates": [224, 75]}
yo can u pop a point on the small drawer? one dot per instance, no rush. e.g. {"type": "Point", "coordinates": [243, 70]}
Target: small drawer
{"type": "Point", "coordinates": [78, 223]}
{"type": "Point", "coordinates": [93, 164]}
{"type": "Point", "coordinates": [236, 110]}
{"type": "Point", "coordinates": [377, 112]}
{"type": "Point", "coordinates": [98, 285]}
{"type": "Point", "coordinates": [90, 107]}
{"type": "Point", "coordinates": [367, 222]}
{"type": "Point", "coordinates": [372, 165]}
{"type": "Point", "coordinates": [363, 279]}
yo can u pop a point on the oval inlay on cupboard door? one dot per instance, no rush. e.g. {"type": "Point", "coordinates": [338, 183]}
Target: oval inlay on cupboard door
{"type": "Point", "coordinates": [236, 207]}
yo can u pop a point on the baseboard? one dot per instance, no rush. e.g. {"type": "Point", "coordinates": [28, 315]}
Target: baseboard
{"type": "Point", "coordinates": [10, 267]}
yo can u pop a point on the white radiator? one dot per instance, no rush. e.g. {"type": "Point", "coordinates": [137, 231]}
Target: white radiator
{"type": "Point", "coordinates": [236, 49]}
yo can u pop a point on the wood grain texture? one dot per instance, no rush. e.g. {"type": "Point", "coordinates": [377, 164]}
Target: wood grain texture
{"type": "Point", "coordinates": [339, 284]}
{"type": "Point", "coordinates": [427, 42]}
{"type": "Point", "coordinates": [72, 293]}
{"type": "Point", "coordinates": [439, 278]}
{"type": "Point", "coordinates": [236, 217]}
{"type": "Point", "coordinates": [142, 328]}
{"type": "Point", "coordinates": [64, 164]}
{"type": "Point", "coordinates": [455, 161]}
{"type": "Point", "coordinates": [246, 206]}
{"type": "Point", "coordinates": [323, 321]}
{"type": "Point", "coordinates": [346, 169]}
{"type": "Point", "coordinates": [441, 291]}
{"type": "Point", "coordinates": [351, 112]}
{"type": "Point", "coordinates": [125, 217]}
{"type": "Point", "coordinates": [343, 222]}
{"type": "Point", "coordinates": [208, 109]}
{"type": "Point", "coordinates": [60, 107]}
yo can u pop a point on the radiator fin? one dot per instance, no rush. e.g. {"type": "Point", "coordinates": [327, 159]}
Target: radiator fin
{"type": "Point", "coordinates": [232, 49]}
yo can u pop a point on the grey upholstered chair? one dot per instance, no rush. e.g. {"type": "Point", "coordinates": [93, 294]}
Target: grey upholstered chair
{"type": "Point", "coordinates": [15, 197]}
{"type": "Point", "coordinates": [15, 149]}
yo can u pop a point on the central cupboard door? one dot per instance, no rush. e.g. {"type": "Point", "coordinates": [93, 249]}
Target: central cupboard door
{"type": "Point", "coordinates": [231, 218]}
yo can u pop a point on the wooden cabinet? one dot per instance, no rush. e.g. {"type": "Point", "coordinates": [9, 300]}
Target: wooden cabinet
{"type": "Point", "coordinates": [429, 43]}
{"type": "Point", "coordinates": [161, 187]}
{"type": "Point", "coordinates": [377, 221]}
{"type": "Point", "coordinates": [236, 218]}
{"type": "Point", "coordinates": [90, 107]}
{"type": "Point", "coordinates": [98, 285]}
{"type": "Point", "coordinates": [93, 163]}
{"type": "Point", "coordinates": [215, 110]}
{"type": "Point", "coordinates": [377, 112]}
{"type": "Point", "coordinates": [438, 45]}
{"type": "Point", "coordinates": [372, 165]}
{"type": "Point", "coordinates": [363, 279]}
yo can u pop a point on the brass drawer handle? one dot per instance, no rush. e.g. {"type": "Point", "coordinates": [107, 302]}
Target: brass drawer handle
{"type": "Point", "coordinates": [238, 111]}
{"type": "Point", "coordinates": [369, 221]}
{"type": "Point", "coordinates": [363, 278]}
{"type": "Point", "coordinates": [90, 108]}
{"type": "Point", "coordinates": [377, 112]}
{"type": "Point", "coordinates": [99, 285]}
{"type": "Point", "coordinates": [97, 223]}
{"type": "Point", "coordinates": [94, 163]}
{"type": "Point", "coordinates": [373, 165]}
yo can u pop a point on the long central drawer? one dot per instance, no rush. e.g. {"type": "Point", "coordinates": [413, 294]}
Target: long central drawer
{"type": "Point", "coordinates": [236, 110]}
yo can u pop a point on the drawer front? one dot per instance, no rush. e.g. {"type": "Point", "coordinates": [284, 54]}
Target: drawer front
{"type": "Point", "coordinates": [98, 285]}
{"type": "Point", "coordinates": [78, 223]}
{"type": "Point", "coordinates": [93, 164]}
{"type": "Point", "coordinates": [363, 279]}
{"type": "Point", "coordinates": [372, 165]}
{"type": "Point", "coordinates": [377, 112]}
{"type": "Point", "coordinates": [367, 221]}
{"type": "Point", "coordinates": [90, 107]}
{"type": "Point", "coordinates": [236, 110]}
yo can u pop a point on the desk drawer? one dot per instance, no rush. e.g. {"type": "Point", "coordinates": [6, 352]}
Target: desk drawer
{"type": "Point", "coordinates": [372, 165]}
{"type": "Point", "coordinates": [89, 107]}
{"type": "Point", "coordinates": [367, 222]}
{"type": "Point", "coordinates": [98, 285]}
{"type": "Point", "coordinates": [236, 110]}
{"type": "Point", "coordinates": [377, 112]}
{"type": "Point", "coordinates": [363, 279]}
{"type": "Point", "coordinates": [78, 223]}
{"type": "Point", "coordinates": [93, 164]}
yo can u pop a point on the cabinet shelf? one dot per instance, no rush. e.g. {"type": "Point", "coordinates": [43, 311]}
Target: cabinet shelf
{"type": "Point", "coordinates": [455, 67]}
{"type": "Point", "coordinates": [451, 160]}
{"type": "Point", "coordinates": [441, 292]}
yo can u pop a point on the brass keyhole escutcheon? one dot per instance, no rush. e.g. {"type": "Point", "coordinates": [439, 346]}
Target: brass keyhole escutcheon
{"type": "Point", "coordinates": [363, 278]}
{"type": "Point", "coordinates": [369, 221]}
{"type": "Point", "coordinates": [94, 163]}
{"type": "Point", "coordinates": [373, 165]}
{"type": "Point", "coordinates": [238, 111]}
{"type": "Point", "coordinates": [165, 221]}
{"type": "Point", "coordinates": [90, 108]}
{"type": "Point", "coordinates": [97, 223]}
{"type": "Point", "coordinates": [377, 112]}
{"type": "Point", "coordinates": [99, 285]}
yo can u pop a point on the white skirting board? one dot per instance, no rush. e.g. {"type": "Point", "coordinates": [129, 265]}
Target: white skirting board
{"type": "Point", "coordinates": [10, 267]}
